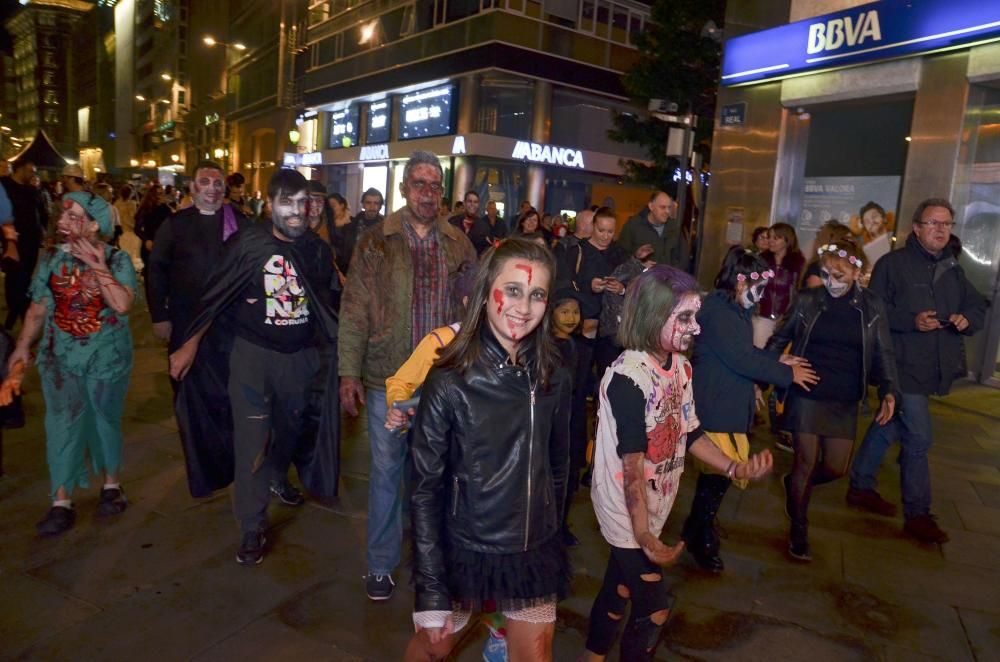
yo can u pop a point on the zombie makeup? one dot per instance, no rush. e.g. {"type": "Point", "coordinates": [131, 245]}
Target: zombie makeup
{"type": "Point", "coordinates": [752, 288]}
{"type": "Point", "coordinates": [72, 223]}
{"type": "Point", "coordinates": [422, 191]}
{"type": "Point", "coordinates": [517, 302]}
{"type": "Point", "coordinates": [288, 214]}
{"type": "Point", "coordinates": [681, 327]}
{"type": "Point", "coordinates": [208, 190]}
{"type": "Point", "coordinates": [838, 276]}
{"type": "Point", "coordinates": [316, 203]}
{"type": "Point", "coordinates": [565, 318]}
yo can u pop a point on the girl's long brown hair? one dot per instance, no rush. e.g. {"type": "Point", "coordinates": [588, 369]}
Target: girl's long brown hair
{"type": "Point", "coordinates": [538, 349]}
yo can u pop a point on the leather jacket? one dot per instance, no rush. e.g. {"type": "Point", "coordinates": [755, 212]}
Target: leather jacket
{"type": "Point", "coordinates": [490, 462]}
{"type": "Point", "coordinates": [779, 295]}
{"type": "Point", "coordinates": [879, 361]}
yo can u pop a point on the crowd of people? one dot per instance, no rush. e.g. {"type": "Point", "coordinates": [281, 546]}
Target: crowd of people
{"type": "Point", "coordinates": [474, 346]}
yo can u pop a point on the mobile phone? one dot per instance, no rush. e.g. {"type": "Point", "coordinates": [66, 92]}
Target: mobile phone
{"type": "Point", "coordinates": [945, 322]}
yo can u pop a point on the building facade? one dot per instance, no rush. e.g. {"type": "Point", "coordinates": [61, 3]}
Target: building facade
{"type": "Point", "coordinates": [44, 69]}
{"type": "Point", "coordinates": [828, 104]}
{"type": "Point", "coordinates": [516, 97]}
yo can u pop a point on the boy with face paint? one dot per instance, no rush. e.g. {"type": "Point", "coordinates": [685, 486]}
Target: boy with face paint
{"type": "Point", "coordinates": [274, 284]}
{"type": "Point", "coordinates": [647, 422]}
{"type": "Point", "coordinates": [843, 331]}
{"type": "Point", "coordinates": [727, 366]}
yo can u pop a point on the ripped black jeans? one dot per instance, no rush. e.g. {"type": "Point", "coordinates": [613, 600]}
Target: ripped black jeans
{"type": "Point", "coordinates": [630, 576]}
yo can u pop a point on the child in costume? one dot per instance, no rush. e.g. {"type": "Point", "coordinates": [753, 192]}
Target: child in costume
{"type": "Point", "coordinates": [80, 295]}
{"type": "Point", "coordinates": [646, 424]}
{"type": "Point", "coordinates": [726, 366]}
{"type": "Point", "coordinates": [490, 459]}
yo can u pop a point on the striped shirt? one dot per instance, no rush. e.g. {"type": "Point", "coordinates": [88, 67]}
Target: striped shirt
{"type": "Point", "coordinates": [430, 283]}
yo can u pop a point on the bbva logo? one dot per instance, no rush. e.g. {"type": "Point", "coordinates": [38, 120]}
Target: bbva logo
{"type": "Point", "coordinates": [836, 32]}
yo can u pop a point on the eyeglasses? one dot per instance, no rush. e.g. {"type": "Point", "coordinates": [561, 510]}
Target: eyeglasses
{"type": "Point", "coordinates": [421, 185]}
{"type": "Point", "coordinates": [943, 225]}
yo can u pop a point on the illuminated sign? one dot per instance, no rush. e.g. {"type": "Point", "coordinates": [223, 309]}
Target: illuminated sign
{"type": "Point", "coordinates": [458, 147]}
{"type": "Point", "coordinates": [312, 158]}
{"type": "Point", "coordinates": [344, 127]}
{"type": "Point", "coordinates": [290, 160]}
{"type": "Point", "coordinates": [425, 113]}
{"type": "Point", "coordinates": [561, 156]}
{"type": "Point", "coordinates": [211, 118]}
{"type": "Point", "coordinates": [378, 121]}
{"type": "Point", "coordinates": [876, 31]}
{"type": "Point", "coordinates": [374, 152]}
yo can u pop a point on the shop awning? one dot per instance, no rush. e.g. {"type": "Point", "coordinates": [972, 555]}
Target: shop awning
{"type": "Point", "coordinates": [41, 152]}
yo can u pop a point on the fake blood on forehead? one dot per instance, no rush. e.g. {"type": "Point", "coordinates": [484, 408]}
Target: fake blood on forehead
{"type": "Point", "coordinates": [498, 299]}
{"type": "Point", "coordinates": [526, 269]}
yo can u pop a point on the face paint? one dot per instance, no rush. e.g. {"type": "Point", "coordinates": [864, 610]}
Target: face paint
{"type": "Point", "coordinates": [752, 295]}
{"type": "Point", "coordinates": [566, 318]}
{"type": "Point", "coordinates": [520, 306]}
{"type": "Point", "coordinates": [681, 328]}
{"type": "Point", "coordinates": [208, 190]}
{"type": "Point", "coordinates": [526, 269]}
{"type": "Point", "coordinates": [288, 214]}
{"type": "Point", "coordinates": [838, 276]}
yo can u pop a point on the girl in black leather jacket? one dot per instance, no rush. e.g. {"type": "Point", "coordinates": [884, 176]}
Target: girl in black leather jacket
{"type": "Point", "coordinates": [490, 460]}
{"type": "Point", "coordinates": [842, 330]}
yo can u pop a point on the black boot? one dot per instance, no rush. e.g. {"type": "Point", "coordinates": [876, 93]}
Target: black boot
{"type": "Point", "coordinates": [699, 529]}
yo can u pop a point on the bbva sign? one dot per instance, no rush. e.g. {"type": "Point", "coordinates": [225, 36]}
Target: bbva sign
{"type": "Point", "coordinates": [837, 32]}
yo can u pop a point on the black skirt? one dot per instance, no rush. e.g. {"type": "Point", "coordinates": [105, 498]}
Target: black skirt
{"type": "Point", "coordinates": [826, 418]}
{"type": "Point", "coordinates": [515, 581]}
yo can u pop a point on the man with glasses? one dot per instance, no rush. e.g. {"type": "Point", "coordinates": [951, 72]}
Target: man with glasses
{"type": "Point", "coordinates": [396, 293]}
{"type": "Point", "coordinates": [931, 306]}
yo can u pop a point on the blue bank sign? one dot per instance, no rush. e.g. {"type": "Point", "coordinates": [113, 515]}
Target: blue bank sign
{"type": "Point", "coordinates": [876, 31]}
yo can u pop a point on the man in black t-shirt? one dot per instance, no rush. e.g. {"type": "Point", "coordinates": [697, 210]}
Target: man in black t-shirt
{"type": "Point", "coordinates": [274, 283]}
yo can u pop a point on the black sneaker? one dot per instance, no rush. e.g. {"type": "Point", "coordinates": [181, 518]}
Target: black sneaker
{"type": "Point", "coordinates": [288, 494]}
{"type": "Point", "coordinates": [58, 520]}
{"type": "Point", "coordinates": [379, 587]}
{"type": "Point", "coordinates": [784, 442]}
{"type": "Point", "coordinates": [798, 543]}
{"type": "Point", "coordinates": [568, 538]}
{"type": "Point", "coordinates": [251, 548]}
{"type": "Point", "coordinates": [112, 502]}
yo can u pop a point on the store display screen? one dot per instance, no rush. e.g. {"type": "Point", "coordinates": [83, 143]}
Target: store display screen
{"type": "Point", "coordinates": [378, 121]}
{"type": "Point", "coordinates": [344, 127]}
{"type": "Point", "coordinates": [426, 113]}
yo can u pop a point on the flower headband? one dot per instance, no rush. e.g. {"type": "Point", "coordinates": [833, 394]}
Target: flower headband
{"type": "Point", "coordinates": [832, 248]}
{"type": "Point", "coordinates": [755, 276]}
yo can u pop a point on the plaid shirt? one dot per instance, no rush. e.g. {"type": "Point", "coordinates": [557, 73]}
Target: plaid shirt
{"type": "Point", "coordinates": [430, 283]}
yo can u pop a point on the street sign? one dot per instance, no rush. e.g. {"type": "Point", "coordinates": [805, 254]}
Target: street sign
{"type": "Point", "coordinates": [733, 115]}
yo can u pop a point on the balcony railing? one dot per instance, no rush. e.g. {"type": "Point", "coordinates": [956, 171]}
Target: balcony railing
{"type": "Point", "coordinates": [338, 32]}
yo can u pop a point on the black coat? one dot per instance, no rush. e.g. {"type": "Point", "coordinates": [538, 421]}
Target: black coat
{"type": "Point", "coordinates": [478, 234]}
{"type": "Point", "coordinates": [878, 365]}
{"type": "Point", "coordinates": [726, 366]}
{"type": "Point", "coordinates": [910, 281]}
{"type": "Point", "coordinates": [490, 465]}
{"type": "Point", "coordinates": [317, 461]}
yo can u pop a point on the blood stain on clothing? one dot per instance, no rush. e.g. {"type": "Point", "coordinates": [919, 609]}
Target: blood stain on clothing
{"type": "Point", "coordinates": [526, 269]}
{"type": "Point", "coordinates": [498, 299]}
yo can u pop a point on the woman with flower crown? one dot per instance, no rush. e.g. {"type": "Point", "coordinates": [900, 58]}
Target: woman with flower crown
{"type": "Point", "coordinates": [842, 331]}
{"type": "Point", "coordinates": [726, 367]}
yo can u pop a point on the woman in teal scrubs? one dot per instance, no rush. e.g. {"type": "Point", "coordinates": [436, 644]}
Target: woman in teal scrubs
{"type": "Point", "coordinates": [80, 296]}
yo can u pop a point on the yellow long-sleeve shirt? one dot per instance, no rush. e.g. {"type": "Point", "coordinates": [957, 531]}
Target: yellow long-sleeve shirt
{"type": "Point", "coordinates": [402, 385]}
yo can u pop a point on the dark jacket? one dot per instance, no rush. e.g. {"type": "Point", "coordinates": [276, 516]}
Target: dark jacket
{"type": "Point", "coordinates": [671, 248]}
{"type": "Point", "coordinates": [780, 291]}
{"type": "Point", "coordinates": [187, 249]}
{"type": "Point", "coordinates": [726, 365]}
{"type": "Point", "coordinates": [878, 362]}
{"type": "Point", "coordinates": [490, 461]}
{"type": "Point", "coordinates": [478, 233]}
{"type": "Point", "coordinates": [581, 266]}
{"type": "Point", "coordinates": [910, 281]}
{"type": "Point", "coordinates": [31, 217]}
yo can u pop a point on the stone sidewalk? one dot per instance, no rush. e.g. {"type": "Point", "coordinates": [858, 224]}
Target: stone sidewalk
{"type": "Point", "coordinates": [161, 582]}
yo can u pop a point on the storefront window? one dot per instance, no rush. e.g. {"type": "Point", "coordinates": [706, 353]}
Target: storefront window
{"type": "Point", "coordinates": [582, 122]}
{"type": "Point", "coordinates": [977, 210]}
{"type": "Point", "coordinates": [505, 107]}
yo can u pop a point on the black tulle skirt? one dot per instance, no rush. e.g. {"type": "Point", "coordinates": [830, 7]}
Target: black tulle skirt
{"type": "Point", "coordinates": [514, 581]}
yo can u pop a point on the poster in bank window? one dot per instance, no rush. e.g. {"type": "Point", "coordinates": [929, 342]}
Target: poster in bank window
{"type": "Point", "coordinates": [842, 199]}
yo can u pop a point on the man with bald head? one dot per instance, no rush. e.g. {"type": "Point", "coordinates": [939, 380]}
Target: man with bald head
{"type": "Point", "coordinates": [584, 228]}
{"type": "Point", "coordinates": [657, 227]}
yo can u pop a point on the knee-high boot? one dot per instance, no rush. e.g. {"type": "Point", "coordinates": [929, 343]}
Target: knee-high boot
{"type": "Point", "coordinates": [699, 529]}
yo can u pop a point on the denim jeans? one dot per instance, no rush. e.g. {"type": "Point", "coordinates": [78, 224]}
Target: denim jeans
{"type": "Point", "coordinates": [912, 426]}
{"type": "Point", "coordinates": [385, 521]}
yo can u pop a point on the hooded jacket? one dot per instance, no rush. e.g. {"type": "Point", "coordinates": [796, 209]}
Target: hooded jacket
{"type": "Point", "coordinates": [910, 281]}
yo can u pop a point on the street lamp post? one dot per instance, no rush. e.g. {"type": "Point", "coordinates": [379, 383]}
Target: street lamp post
{"type": "Point", "coordinates": [680, 140]}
